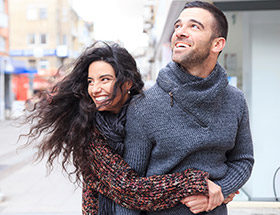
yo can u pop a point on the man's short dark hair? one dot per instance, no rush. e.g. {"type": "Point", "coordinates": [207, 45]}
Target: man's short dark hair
{"type": "Point", "coordinates": [221, 27]}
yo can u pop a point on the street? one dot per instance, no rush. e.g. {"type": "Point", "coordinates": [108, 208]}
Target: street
{"type": "Point", "coordinates": [27, 188]}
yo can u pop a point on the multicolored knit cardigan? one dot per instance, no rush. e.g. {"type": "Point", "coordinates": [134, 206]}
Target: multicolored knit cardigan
{"type": "Point", "coordinates": [114, 178]}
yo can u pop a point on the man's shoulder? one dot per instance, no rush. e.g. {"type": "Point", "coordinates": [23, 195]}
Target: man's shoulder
{"type": "Point", "coordinates": [149, 96]}
{"type": "Point", "coordinates": [235, 97]}
{"type": "Point", "coordinates": [147, 101]}
{"type": "Point", "coordinates": [234, 92]}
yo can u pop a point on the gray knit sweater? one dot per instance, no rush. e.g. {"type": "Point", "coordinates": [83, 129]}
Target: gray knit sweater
{"type": "Point", "coordinates": [190, 122]}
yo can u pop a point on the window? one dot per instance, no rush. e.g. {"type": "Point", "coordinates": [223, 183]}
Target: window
{"type": "Point", "coordinates": [31, 39]}
{"type": "Point", "coordinates": [31, 13]}
{"type": "Point", "coordinates": [2, 44]}
{"type": "Point", "coordinates": [32, 63]}
{"type": "Point", "coordinates": [43, 13]}
{"type": "Point", "coordinates": [43, 38]}
{"type": "Point", "coordinates": [64, 39]}
{"type": "Point", "coordinates": [2, 6]}
{"type": "Point", "coordinates": [43, 64]}
{"type": "Point", "coordinates": [3, 20]}
{"type": "Point", "coordinates": [64, 14]}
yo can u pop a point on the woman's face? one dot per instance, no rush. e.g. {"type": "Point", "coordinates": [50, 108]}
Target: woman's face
{"type": "Point", "coordinates": [101, 80]}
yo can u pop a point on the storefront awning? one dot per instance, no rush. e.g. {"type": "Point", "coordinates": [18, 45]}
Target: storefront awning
{"type": "Point", "coordinates": [12, 66]}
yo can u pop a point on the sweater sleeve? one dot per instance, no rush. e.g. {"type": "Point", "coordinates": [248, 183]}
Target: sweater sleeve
{"type": "Point", "coordinates": [89, 195]}
{"type": "Point", "coordinates": [240, 159]}
{"type": "Point", "coordinates": [120, 182]}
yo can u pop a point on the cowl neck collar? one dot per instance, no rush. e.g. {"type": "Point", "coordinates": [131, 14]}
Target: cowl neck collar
{"type": "Point", "coordinates": [192, 93]}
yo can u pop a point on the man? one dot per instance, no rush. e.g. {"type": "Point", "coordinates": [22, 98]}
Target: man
{"type": "Point", "coordinates": [192, 117]}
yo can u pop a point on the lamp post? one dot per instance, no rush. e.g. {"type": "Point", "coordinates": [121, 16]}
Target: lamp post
{"type": "Point", "coordinates": [5, 91]}
{"type": "Point", "coordinates": [2, 90]}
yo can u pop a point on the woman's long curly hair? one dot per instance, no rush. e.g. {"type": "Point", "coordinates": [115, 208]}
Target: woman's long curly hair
{"type": "Point", "coordinates": [65, 116]}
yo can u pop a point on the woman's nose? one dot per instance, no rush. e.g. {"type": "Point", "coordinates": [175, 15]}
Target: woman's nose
{"type": "Point", "coordinates": [96, 89]}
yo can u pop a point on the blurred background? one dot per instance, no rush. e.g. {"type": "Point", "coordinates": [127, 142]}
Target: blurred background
{"type": "Point", "coordinates": [37, 37]}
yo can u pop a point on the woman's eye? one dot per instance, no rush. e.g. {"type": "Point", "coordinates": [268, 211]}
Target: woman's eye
{"type": "Point", "coordinates": [105, 79]}
{"type": "Point", "coordinates": [90, 82]}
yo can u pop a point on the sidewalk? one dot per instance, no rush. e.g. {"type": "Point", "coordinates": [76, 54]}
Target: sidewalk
{"type": "Point", "coordinates": [254, 208]}
{"type": "Point", "coordinates": [26, 187]}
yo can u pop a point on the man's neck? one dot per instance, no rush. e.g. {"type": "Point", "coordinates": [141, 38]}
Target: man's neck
{"type": "Point", "coordinates": [202, 70]}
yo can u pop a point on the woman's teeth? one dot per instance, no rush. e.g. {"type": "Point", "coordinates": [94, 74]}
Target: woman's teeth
{"type": "Point", "coordinates": [102, 98]}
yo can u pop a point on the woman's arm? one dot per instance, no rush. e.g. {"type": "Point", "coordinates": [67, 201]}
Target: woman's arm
{"type": "Point", "coordinates": [121, 183]}
{"type": "Point", "coordinates": [89, 196]}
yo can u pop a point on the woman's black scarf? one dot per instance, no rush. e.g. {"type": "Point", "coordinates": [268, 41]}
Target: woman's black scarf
{"type": "Point", "coordinates": [112, 127]}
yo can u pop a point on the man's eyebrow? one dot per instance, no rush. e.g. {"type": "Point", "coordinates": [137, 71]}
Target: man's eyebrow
{"type": "Point", "coordinates": [197, 22]}
{"type": "Point", "coordinates": [178, 20]}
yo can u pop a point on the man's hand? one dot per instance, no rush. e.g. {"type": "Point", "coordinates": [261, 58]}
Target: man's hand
{"type": "Point", "coordinates": [216, 197]}
{"type": "Point", "coordinates": [196, 203]}
{"type": "Point", "coordinates": [230, 197]}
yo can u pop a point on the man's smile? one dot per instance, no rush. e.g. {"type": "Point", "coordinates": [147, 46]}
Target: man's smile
{"type": "Point", "coordinates": [182, 45]}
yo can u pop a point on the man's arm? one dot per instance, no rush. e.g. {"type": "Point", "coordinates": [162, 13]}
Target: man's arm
{"type": "Point", "coordinates": [240, 159]}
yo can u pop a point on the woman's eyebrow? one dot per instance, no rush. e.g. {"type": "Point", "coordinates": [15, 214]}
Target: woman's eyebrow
{"type": "Point", "coordinates": [105, 75]}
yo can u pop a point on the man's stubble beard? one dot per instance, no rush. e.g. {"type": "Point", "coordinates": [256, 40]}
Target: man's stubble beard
{"type": "Point", "coordinates": [194, 58]}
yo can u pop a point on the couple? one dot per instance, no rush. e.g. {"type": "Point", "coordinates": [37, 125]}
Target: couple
{"type": "Point", "coordinates": [188, 136]}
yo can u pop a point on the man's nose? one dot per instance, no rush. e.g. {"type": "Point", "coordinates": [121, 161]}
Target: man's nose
{"type": "Point", "coordinates": [182, 32]}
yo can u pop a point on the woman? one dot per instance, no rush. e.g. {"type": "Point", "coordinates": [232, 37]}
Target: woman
{"type": "Point", "coordinates": [83, 120]}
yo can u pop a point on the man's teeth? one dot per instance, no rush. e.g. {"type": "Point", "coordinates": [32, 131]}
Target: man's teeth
{"type": "Point", "coordinates": [182, 45]}
{"type": "Point", "coordinates": [101, 98]}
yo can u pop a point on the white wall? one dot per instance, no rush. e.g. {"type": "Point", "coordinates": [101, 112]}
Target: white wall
{"type": "Point", "coordinates": [254, 37]}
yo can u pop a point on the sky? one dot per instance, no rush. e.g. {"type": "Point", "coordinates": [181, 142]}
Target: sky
{"type": "Point", "coordinates": [120, 20]}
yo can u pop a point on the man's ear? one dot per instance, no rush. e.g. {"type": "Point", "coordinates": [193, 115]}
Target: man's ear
{"type": "Point", "coordinates": [218, 44]}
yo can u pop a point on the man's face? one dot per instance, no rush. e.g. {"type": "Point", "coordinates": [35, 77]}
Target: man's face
{"type": "Point", "coordinates": [192, 38]}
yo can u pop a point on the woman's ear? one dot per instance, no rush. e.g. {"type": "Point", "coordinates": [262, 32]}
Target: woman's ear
{"type": "Point", "coordinates": [128, 85]}
{"type": "Point", "coordinates": [218, 44]}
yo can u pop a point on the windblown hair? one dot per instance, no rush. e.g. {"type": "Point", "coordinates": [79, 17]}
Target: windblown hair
{"type": "Point", "coordinates": [65, 116]}
{"type": "Point", "coordinates": [221, 25]}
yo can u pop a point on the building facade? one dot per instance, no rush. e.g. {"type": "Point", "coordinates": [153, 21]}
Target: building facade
{"type": "Point", "coordinates": [4, 31]}
{"type": "Point", "coordinates": [4, 59]}
{"type": "Point", "coordinates": [44, 34]}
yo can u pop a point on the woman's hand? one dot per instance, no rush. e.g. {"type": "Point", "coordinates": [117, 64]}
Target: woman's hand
{"type": "Point", "coordinates": [196, 203]}
{"type": "Point", "coordinates": [200, 203]}
{"type": "Point", "coordinates": [230, 197]}
{"type": "Point", "coordinates": [216, 197]}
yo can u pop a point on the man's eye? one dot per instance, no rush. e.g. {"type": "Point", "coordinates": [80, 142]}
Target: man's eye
{"type": "Point", "coordinates": [195, 26]}
{"type": "Point", "coordinates": [176, 26]}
